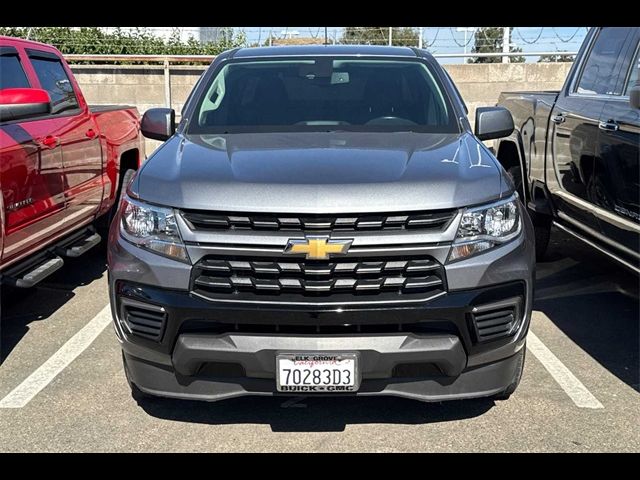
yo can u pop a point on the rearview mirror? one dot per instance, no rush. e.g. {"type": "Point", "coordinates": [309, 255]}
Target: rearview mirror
{"type": "Point", "coordinates": [19, 103]}
{"type": "Point", "coordinates": [493, 122]}
{"type": "Point", "coordinates": [158, 123]}
{"type": "Point", "coordinates": [634, 96]}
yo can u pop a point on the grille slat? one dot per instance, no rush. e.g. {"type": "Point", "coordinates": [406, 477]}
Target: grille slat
{"type": "Point", "coordinates": [210, 282]}
{"type": "Point", "coordinates": [430, 281]}
{"type": "Point", "coordinates": [497, 320]}
{"type": "Point", "coordinates": [428, 219]}
{"type": "Point", "coordinates": [200, 220]}
{"type": "Point", "coordinates": [359, 277]}
{"type": "Point", "coordinates": [143, 320]}
{"type": "Point", "coordinates": [499, 329]}
{"type": "Point", "coordinates": [138, 329]}
{"type": "Point", "coordinates": [421, 266]}
{"type": "Point", "coordinates": [241, 282]}
{"type": "Point", "coordinates": [268, 285]}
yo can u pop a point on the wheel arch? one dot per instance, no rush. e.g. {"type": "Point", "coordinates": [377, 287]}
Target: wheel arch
{"type": "Point", "coordinates": [510, 153]}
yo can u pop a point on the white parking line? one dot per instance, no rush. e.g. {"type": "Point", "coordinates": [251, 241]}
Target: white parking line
{"type": "Point", "coordinates": [573, 387]}
{"type": "Point", "coordinates": [34, 383]}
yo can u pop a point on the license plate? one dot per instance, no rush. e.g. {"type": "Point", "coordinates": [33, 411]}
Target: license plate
{"type": "Point", "coordinates": [317, 372]}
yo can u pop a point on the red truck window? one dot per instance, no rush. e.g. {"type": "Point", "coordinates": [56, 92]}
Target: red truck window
{"type": "Point", "coordinates": [54, 80]}
{"type": "Point", "coordinates": [11, 73]}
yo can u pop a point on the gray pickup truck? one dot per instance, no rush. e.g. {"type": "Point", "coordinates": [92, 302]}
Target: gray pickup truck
{"type": "Point", "coordinates": [322, 220]}
{"type": "Point", "coordinates": [574, 154]}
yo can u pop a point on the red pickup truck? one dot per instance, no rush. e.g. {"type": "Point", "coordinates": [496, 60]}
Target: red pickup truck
{"type": "Point", "coordinates": [62, 162]}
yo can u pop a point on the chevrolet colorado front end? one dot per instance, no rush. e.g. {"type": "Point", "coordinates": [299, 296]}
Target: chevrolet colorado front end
{"type": "Point", "coordinates": [322, 220]}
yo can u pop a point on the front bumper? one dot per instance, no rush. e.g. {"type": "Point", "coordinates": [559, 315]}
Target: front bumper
{"type": "Point", "coordinates": [162, 380]}
{"type": "Point", "coordinates": [427, 350]}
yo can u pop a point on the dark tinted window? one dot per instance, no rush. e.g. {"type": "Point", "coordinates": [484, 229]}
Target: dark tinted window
{"type": "Point", "coordinates": [11, 73]}
{"type": "Point", "coordinates": [324, 93]}
{"type": "Point", "coordinates": [633, 74]}
{"type": "Point", "coordinates": [54, 80]}
{"type": "Point", "coordinates": [607, 62]}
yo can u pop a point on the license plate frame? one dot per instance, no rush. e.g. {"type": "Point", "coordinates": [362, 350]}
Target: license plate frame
{"type": "Point", "coordinates": [322, 362]}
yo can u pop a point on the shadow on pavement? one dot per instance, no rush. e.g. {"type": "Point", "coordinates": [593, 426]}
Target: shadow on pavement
{"type": "Point", "coordinates": [21, 307]}
{"type": "Point", "coordinates": [594, 301]}
{"type": "Point", "coordinates": [316, 414]}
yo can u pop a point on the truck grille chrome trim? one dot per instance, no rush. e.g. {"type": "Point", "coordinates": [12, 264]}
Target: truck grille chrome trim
{"type": "Point", "coordinates": [435, 221]}
{"type": "Point", "coordinates": [241, 278]}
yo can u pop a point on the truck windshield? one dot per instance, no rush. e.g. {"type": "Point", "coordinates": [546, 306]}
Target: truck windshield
{"type": "Point", "coordinates": [320, 94]}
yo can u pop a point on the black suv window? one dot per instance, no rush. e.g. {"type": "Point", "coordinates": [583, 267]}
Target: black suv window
{"type": "Point", "coordinates": [11, 73]}
{"type": "Point", "coordinates": [633, 74]}
{"type": "Point", "coordinates": [607, 62]}
{"type": "Point", "coordinates": [54, 80]}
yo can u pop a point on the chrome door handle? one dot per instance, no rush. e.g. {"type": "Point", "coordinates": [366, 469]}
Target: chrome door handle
{"type": "Point", "coordinates": [557, 119]}
{"type": "Point", "coordinates": [609, 126]}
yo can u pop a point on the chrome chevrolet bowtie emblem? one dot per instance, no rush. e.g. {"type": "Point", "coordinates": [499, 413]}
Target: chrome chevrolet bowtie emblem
{"type": "Point", "coordinates": [317, 247]}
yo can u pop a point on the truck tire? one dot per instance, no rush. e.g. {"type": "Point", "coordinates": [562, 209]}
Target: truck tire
{"type": "Point", "coordinates": [541, 223]}
{"type": "Point", "coordinates": [507, 392]}
{"type": "Point", "coordinates": [542, 230]}
{"type": "Point", "coordinates": [104, 223]}
{"type": "Point", "coordinates": [138, 395]}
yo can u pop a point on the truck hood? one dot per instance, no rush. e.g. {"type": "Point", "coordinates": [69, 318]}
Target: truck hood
{"type": "Point", "coordinates": [321, 172]}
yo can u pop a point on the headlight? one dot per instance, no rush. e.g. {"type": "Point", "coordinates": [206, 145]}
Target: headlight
{"type": "Point", "coordinates": [485, 227]}
{"type": "Point", "coordinates": [153, 228]}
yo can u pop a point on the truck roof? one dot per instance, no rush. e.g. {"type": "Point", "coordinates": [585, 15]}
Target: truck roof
{"type": "Point", "coordinates": [313, 50]}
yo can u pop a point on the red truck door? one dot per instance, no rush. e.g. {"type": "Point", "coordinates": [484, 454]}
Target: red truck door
{"type": "Point", "coordinates": [81, 151]}
{"type": "Point", "coordinates": [30, 170]}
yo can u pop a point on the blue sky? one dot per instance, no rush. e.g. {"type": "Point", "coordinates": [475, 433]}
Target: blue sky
{"type": "Point", "coordinates": [450, 40]}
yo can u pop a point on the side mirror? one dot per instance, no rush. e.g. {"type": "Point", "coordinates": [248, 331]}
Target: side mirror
{"type": "Point", "coordinates": [158, 123]}
{"type": "Point", "coordinates": [493, 122]}
{"type": "Point", "coordinates": [634, 96]}
{"type": "Point", "coordinates": [19, 103]}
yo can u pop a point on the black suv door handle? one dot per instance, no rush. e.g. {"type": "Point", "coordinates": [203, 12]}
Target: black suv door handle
{"type": "Point", "coordinates": [558, 119]}
{"type": "Point", "coordinates": [609, 126]}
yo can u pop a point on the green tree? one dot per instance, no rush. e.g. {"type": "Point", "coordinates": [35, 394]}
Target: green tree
{"type": "Point", "coordinates": [400, 36]}
{"type": "Point", "coordinates": [140, 41]}
{"type": "Point", "coordinates": [555, 58]}
{"type": "Point", "coordinates": [489, 40]}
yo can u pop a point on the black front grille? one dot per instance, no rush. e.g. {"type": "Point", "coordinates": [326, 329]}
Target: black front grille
{"type": "Point", "coordinates": [221, 370]}
{"type": "Point", "coordinates": [143, 319]}
{"type": "Point", "coordinates": [216, 277]}
{"type": "Point", "coordinates": [314, 328]}
{"type": "Point", "coordinates": [497, 320]}
{"type": "Point", "coordinates": [416, 370]}
{"type": "Point", "coordinates": [435, 220]}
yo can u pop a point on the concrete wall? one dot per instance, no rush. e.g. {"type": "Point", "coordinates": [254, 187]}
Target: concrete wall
{"type": "Point", "coordinates": [481, 84]}
{"type": "Point", "coordinates": [144, 87]}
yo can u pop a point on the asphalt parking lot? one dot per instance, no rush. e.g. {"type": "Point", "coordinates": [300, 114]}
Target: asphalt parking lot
{"type": "Point", "coordinates": [580, 391]}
